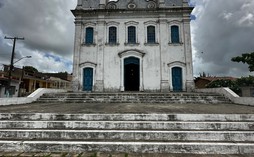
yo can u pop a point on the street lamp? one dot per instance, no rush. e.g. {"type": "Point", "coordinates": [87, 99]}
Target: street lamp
{"type": "Point", "coordinates": [22, 58]}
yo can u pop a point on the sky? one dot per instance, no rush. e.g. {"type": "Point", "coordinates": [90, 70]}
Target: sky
{"type": "Point", "coordinates": [220, 29]}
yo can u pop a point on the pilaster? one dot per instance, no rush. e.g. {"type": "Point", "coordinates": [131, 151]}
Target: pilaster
{"type": "Point", "coordinates": [163, 51]}
{"type": "Point", "coordinates": [188, 55]}
{"type": "Point", "coordinates": [185, 3]}
{"type": "Point", "coordinates": [79, 3]}
{"type": "Point", "coordinates": [99, 83]}
{"type": "Point", "coordinates": [76, 84]}
{"type": "Point", "coordinates": [161, 3]}
{"type": "Point", "coordinates": [102, 4]}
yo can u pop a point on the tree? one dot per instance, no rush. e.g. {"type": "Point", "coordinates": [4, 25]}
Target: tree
{"type": "Point", "coordinates": [30, 69]}
{"type": "Point", "coordinates": [204, 75]}
{"type": "Point", "coordinates": [245, 81]}
{"type": "Point", "coordinates": [247, 58]}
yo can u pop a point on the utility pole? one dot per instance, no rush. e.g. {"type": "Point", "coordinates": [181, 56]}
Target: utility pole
{"type": "Point", "coordinates": [12, 59]}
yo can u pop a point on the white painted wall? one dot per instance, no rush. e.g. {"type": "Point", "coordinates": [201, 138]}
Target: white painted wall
{"type": "Point", "coordinates": [156, 63]}
{"type": "Point", "coordinates": [16, 85]}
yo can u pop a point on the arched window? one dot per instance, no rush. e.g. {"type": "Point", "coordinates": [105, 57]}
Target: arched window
{"type": "Point", "coordinates": [131, 34]}
{"type": "Point", "coordinates": [112, 35]}
{"type": "Point", "coordinates": [89, 35]}
{"type": "Point", "coordinates": [175, 34]}
{"type": "Point", "coordinates": [150, 34]}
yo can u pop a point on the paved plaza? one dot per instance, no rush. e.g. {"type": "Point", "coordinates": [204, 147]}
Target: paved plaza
{"type": "Point", "coordinates": [109, 108]}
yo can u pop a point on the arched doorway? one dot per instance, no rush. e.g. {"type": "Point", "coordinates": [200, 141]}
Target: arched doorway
{"type": "Point", "coordinates": [177, 79]}
{"type": "Point", "coordinates": [87, 79]}
{"type": "Point", "coordinates": [131, 74]}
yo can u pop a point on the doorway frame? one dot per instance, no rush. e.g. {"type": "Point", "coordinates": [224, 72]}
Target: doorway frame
{"type": "Point", "coordinates": [131, 53]}
{"type": "Point", "coordinates": [92, 79]}
{"type": "Point", "coordinates": [138, 68]}
{"type": "Point", "coordinates": [180, 65]}
{"type": "Point", "coordinates": [81, 75]}
{"type": "Point", "coordinates": [181, 77]}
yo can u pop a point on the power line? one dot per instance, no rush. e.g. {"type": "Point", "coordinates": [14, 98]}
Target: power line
{"type": "Point", "coordinates": [12, 58]}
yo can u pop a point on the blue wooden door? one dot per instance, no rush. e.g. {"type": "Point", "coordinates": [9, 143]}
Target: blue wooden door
{"type": "Point", "coordinates": [177, 79]}
{"type": "Point", "coordinates": [88, 79]}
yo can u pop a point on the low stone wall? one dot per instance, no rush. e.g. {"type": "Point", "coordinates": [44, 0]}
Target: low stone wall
{"type": "Point", "coordinates": [31, 98]}
{"type": "Point", "coordinates": [228, 93]}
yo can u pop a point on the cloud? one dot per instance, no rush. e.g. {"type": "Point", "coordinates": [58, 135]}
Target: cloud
{"type": "Point", "coordinates": [1, 4]}
{"type": "Point", "coordinates": [223, 29]}
{"type": "Point", "coordinates": [247, 20]}
{"type": "Point", "coordinates": [47, 26]}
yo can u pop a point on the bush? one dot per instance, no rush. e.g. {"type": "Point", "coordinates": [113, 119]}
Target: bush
{"type": "Point", "coordinates": [245, 81]}
{"type": "Point", "coordinates": [225, 83]}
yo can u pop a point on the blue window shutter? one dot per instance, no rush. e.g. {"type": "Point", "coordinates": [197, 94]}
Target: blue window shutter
{"type": "Point", "coordinates": [131, 34]}
{"type": "Point", "coordinates": [150, 34]}
{"type": "Point", "coordinates": [89, 35]}
{"type": "Point", "coordinates": [112, 35]}
{"type": "Point", "coordinates": [175, 34]}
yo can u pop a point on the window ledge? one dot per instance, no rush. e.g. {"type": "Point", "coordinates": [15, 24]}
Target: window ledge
{"type": "Point", "coordinates": [112, 44]}
{"type": "Point", "coordinates": [89, 45]}
{"type": "Point", "coordinates": [151, 44]}
{"type": "Point", "coordinates": [131, 44]}
{"type": "Point", "coordinates": [175, 44]}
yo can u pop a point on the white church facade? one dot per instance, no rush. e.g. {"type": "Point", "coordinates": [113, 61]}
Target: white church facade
{"type": "Point", "coordinates": [132, 45]}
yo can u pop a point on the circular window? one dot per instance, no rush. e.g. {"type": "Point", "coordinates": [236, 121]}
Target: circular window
{"type": "Point", "coordinates": [111, 6]}
{"type": "Point", "coordinates": [151, 5]}
{"type": "Point", "coordinates": [132, 6]}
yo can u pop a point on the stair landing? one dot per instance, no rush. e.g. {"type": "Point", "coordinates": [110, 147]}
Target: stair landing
{"type": "Point", "coordinates": [84, 108]}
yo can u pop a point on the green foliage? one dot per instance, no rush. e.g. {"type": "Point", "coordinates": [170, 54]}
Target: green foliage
{"type": "Point", "coordinates": [247, 58]}
{"type": "Point", "coordinates": [225, 83]}
{"type": "Point", "coordinates": [30, 69]}
{"type": "Point", "coordinates": [64, 154]}
{"type": "Point", "coordinates": [233, 85]}
{"type": "Point", "coordinates": [245, 81]}
{"type": "Point", "coordinates": [94, 155]}
{"type": "Point", "coordinates": [65, 73]}
{"type": "Point", "coordinates": [80, 155]}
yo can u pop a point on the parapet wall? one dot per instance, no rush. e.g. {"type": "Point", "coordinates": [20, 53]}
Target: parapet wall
{"type": "Point", "coordinates": [31, 98]}
{"type": "Point", "coordinates": [230, 95]}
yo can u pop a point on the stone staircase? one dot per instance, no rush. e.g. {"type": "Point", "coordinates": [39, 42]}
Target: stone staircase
{"type": "Point", "coordinates": [128, 133]}
{"type": "Point", "coordinates": [182, 98]}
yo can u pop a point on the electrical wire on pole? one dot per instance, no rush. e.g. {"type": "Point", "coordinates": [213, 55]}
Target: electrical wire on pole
{"type": "Point", "coordinates": [8, 90]}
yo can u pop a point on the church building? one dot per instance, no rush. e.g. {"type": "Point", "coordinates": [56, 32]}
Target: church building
{"type": "Point", "coordinates": [132, 45]}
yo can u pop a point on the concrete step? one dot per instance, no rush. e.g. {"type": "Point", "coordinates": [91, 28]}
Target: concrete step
{"type": "Point", "coordinates": [127, 117]}
{"type": "Point", "coordinates": [134, 98]}
{"type": "Point", "coordinates": [128, 125]}
{"type": "Point", "coordinates": [128, 135]}
{"type": "Point", "coordinates": [138, 100]}
{"type": "Point", "coordinates": [129, 147]}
